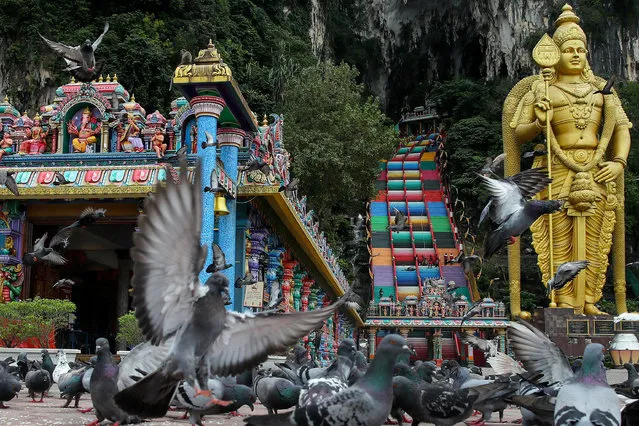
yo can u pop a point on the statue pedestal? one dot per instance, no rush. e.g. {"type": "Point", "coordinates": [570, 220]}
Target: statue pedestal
{"type": "Point", "coordinates": [573, 332]}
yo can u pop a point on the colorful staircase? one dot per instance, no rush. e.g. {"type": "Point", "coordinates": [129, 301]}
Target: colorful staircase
{"type": "Point", "coordinates": [411, 183]}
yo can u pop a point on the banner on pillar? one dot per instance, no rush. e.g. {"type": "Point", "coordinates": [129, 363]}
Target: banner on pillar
{"type": "Point", "coordinates": [225, 181]}
{"type": "Point", "coordinates": [253, 295]}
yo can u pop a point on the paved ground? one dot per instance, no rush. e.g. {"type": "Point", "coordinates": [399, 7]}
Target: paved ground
{"type": "Point", "coordinates": [22, 412]}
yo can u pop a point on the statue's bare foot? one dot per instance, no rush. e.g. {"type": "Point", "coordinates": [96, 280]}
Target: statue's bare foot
{"type": "Point", "coordinates": [590, 309]}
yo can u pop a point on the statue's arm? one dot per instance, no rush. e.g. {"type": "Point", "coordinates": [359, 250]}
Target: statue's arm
{"type": "Point", "coordinates": [621, 136]}
{"type": "Point", "coordinates": [528, 126]}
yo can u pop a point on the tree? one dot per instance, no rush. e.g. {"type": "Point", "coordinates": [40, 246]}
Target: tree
{"type": "Point", "coordinates": [129, 333]}
{"type": "Point", "coordinates": [336, 137]}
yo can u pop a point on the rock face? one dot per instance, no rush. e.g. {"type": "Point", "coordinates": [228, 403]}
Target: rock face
{"type": "Point", "coordinates": [427, 40]}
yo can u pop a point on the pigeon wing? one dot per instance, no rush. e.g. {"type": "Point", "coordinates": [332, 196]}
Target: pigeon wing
{"type": "Point", "coordinates": [39, 243]}
{"type": "Point", "coordinates": [502, 364]}
{"type": "Point", "coordinates": [477, 342]}
{"type": "Point", "coordinates": [98, 40]}
{"type": "Point", "coordinates": [61, 239]}
{"type": "Point", "coordinates": [168, 259]}
{"type": "Point", "coordinates": [247, 339]}
{"type": "Point", "coordinates": [531, 181]}
{"type": "Point", "coordinates": [538, 353]}
{"type": "Point", "coordinates": [55, 258]}
{"type": "Point", "coordinates": [11, 185]}
{"type": "Point", "coordinates": [144, 358]}
{"type": "Point", "coordinates": [444, 402]}
{"type": "Point", "coordinates": [569, 270]}
{"type": "Point", "coordinates": [71, 53]}
{"type": "Point", "coordinates": [506, 198]}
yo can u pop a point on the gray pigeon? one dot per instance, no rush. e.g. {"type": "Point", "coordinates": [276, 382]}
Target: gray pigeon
{"type": "Point", "coordinates": [491, 165]}
{"type": "Point", "coordinates": [219, 261]}
{"type": "Point", "coordinates": [630, 387]}
{"type": "Point", "coordinates": [170, 300]}
{"type": "Point", "coordinates": [210, 141]}
{"type": "Point", "coordinates": [247, 280]}
{"type": "Point", "coordinates": [70, 385]}
{"type": "Point", "coordinates": [584, 396]}
{"type": "Point", "coordinates": [566, 272]}
{"type": "Point", "coordinates": [104, 386]}
{"type": "Point", "coordinates": [60, 179]}
{"type": "Point", "coordinates": [213, 186]}
{"type": "Point", "coordinates": [7, 179]}
{"type": "Point", "coordinates": [400, 222]}
{"type": "Point", "coordinates": [290, 190]}
{"type": "Point", "coordinates": [255, 163]}
{"type": "Point", "coordinates": [185, 57]}
{"type": "Point", "coordinates": [64, 282]}
{"type": "Point", "coordinates": [488, 347]}
{"type": "Point", "coordinates": [9, 387]}
{"type": "Point", "coordinates": [333, 381]}
{"type": "Point", "coordinates": [142, 360]}
{"type": "Point", "coordinates": [510, 209]}
{"type": "Point", "coordinates": [276, 393]}
{"type": "Point", "coordinates": [80, 59]}
{"type": "Point", "coordinates": [474, 310]}
{"type": "Point", "coordinates": [241, 395]}
{"type": "Point", "coordinates": [38, 381]}
{"type": "Point", "coordinates": [61, 367]}
{"type": "Point", "coordinates": [366, 403]}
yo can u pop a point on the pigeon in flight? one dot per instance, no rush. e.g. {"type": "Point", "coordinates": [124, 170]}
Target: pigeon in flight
{"type": "Point", "coordinates": [88, 217]}
{"type": "Point", "coordinates": [566, 272]}
{"type": "Point", "coordinates": [607, 90]}
{"type": "Point", "coordinates": [213, 186]}
{"type": "Point", "coordinates": [60, 179]}
{"type": "Point", "coordinates": [400, 222]}
{"type": "Point", "coordinates": [219, 261]}
{"type": "Point", "coordinates": [210, 141]}
{"type": "Point", "coordinates": [510, 208]}
{"type": "Point", "coordinates": [80, 59]}
{"type": "Point", "coordinates": [534, 153]}
{"type": "Point", "coordinates": [472, 312]}
{"type": "Point", "coordinates": [246, 280]}
{"type": "Point", "coordinates": [491, 165]}
{"type": "Point", "coordinates": [171, 302]}
{"type": "Point", "coordinates": [64, 282]}
{"type": "Point", "coordinates": [7, 179]}
{"type": "Point", "coordinates": [486, 346]}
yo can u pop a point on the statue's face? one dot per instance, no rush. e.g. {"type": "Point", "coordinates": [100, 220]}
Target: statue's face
{"type": "Point", "coordinates": [573, 57]}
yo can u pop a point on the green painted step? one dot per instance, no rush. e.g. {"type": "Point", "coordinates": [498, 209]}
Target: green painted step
{"type": "Point", "coordinates": [422, 239]}
{"type": "Point", "coordinates": [398, 185]}
{"type": "Point", "coordinates": [428, 165]}
{"type": "Point", "coordinates": [440, 224]}
{"type": "Point", "coordinates": [386, 291]}
{"type": "Point", "coordinates": [379, 223]}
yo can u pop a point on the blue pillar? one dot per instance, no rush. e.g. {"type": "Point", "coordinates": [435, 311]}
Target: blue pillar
{"type": "Point", "coordinates": [230, 140]}
{"type": "Point", "coordinates": [207, 110]}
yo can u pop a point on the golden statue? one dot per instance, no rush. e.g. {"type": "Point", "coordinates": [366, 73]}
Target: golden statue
{"type": "Point", "coordinates": [587, 169]}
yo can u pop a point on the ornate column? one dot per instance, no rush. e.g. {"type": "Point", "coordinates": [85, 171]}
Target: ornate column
{"type": "Point", "coordinates": [287, 280]}
{"type": "Point", "coordinates": [257, 244]}
{"type": "Point", "coordinates": [104, 137]}
{"type": "Point", "coordinates": [437, 347]}
{"type": "Point", "coordinates": [372, 340]}
{"type": "Point", "coordinates": [501, 333]}
{"type": "Point", "coordinates": [274, 265]}
{"type": "Point", "coordinates": [470, 357]}
{"type": "Point", "coordinates": [307, 283]}
{"type": "Point", "coordinates": [229, 140]}
{"type": "Point", "coordinates": [297, 287]}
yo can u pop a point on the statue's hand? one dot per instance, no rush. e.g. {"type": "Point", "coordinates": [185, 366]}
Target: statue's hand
{"type": "Point", "coordinates": [609, 171]}
{"type": "Point", "coordinates": [543, 110]}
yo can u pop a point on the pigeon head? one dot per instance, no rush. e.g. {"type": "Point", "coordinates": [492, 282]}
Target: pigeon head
{"type": "Point", "coordinates": [393, 345]}
{"type": "Point", "coordinates": [218, 284]}
{"type": "Point", "coordinates": [244, 396]}
{"type": "Point", "coordinates": [360, 359]}
{"type": "Point", "coordinates": [592, 364]}
{"type": "Point", "coordinates": [545, 206]}
{"type": "Point", "coordinates": [101, 344]}
{"type": "Point", "coordinates": [28, 259]}
{"type": "Point", "coordinates": [347, 349]}
{"type": "Point", "coordinates": [86, 43]}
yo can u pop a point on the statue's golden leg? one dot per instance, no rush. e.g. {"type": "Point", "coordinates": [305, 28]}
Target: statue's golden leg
{"type": "Point", "coordinates": [579, 253]}
{"type": "Point", "coordinates": [619, 250]}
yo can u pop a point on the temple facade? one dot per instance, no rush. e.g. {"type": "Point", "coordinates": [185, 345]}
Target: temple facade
{"type": "Point", "coordinates": [95, 145]}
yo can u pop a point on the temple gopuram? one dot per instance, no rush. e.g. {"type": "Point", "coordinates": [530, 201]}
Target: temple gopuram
{"type": "Point", "coordinates": [96, 146]}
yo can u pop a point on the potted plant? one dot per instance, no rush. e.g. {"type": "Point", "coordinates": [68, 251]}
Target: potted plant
{"type": "Point", "coordinates": [129, 333]}
{"type": "Point", "coordinates": [14, 330]}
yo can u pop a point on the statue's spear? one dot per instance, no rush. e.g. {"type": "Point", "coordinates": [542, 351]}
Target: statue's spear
{"type": "Point", "coordinates": [546, 54]}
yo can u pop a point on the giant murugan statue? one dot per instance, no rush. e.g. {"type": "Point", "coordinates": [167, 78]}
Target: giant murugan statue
{"type": "Point", "coordinates": [588, 141]}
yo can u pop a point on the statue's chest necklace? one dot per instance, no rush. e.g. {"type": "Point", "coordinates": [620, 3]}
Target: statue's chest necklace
{"type": "Point", "coordinates": [581, 99]}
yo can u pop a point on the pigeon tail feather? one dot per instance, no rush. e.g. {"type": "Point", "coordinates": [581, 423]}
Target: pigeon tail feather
{"type": "Point", "coordinates": [284, 419]}
{"type": "Point", "coordinates": [150, 397]}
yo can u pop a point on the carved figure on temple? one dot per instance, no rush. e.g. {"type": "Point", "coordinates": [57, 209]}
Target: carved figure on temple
{"type": "Point", "coordinates": [587, 169]}
{"type": "Point", "coordinates": [193, 136]}
{"type": "Point", "coordinates": [6, 144]}
{"type": "Point", "coordinates": [129, 136]}
{"type": "Point", "coordinates": [36, 144]}
{"type": "Point", "coordinates": [157, 141]}
{"type": "Point", "coordinates": [85, 128]}
{"type": "Point", "coordinates": [11, 279]}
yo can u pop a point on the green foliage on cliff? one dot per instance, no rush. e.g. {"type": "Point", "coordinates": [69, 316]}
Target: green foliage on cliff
{"type": "Point", "coordinates": [336, 136]}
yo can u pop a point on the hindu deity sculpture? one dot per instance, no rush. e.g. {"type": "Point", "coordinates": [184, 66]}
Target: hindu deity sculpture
{"type": "Point", "coordinates": [36, 144]}
{"type": "Point", "coordinates": [6, 144]}
{"type": "Point", "coordinates": [157, 141]}
{"type": "Point", "coordinates": [129, 136]}
{"type": "Point", "coordinates": [587, 169]}
{"type": "Point", "coordinates": [89, 126]}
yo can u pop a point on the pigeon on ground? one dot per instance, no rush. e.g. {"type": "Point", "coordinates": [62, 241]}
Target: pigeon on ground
{"type": "Point", "coordinates": [23, 365]}
{"type": "Point", "coordinates": [61, 367]}
{"type": "Point", "coordinates": [7, 179]}
{"type": "Point", "coordinates": [70, 385]}
{"type": "Point", "coordinates": [510, 208]}
{"type": "Point", "coordinates": [210, 141]}
{"type": "Point", "coordinates": [241, 395]}
{"type": "Point", "coordinates": [566, 272]}
{"type": "Point", "coordinates": [47, 362]}
{"type": "Point", "coordinates": [64, 282]}
{"type": "Point", "coordinates": [60, 179]}
{"type": "Point", "coordinates": [219, 261]}
{"type": "Point", "coordinates": [630, 387]}
{"type": "Point", "coordinates": [9, 387]}
{"type": "Point", "coordinates": [103, 384]}
{"type": "Point", "coordinates": [400, 222]}
{"type": "Point", "coordinates": [488, 347]}
{"type": "Point", "coordinates": [491, 165]}
{"type": "Point", "coordinates": [584, 396]}
{"type": "Point", "coordinates": [80, 59]}
{"type": "Point", "coordinates": [368, 402]}
{"type": "Point", "coordinates": [38, 381]}
{"type": "Point", "coordinates": [276, 393]}
{"type": "Point", "coordinates": [492, 399]}
{"type": "Point", "coordinates": [170, 300]}
{"type": "Point", "coordinates": [346, 348]}
{"type": "Point", "coordinates": [406, 385]}
{"type": "Point", "coordinates": [247, 280]}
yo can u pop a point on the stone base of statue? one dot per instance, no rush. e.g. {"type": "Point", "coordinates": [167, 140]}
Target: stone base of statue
{"type": "Point", "coordinates": [573, 332]}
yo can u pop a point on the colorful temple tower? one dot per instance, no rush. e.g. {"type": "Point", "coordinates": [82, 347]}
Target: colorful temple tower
{"type": "Point", "coordinates": [95, 145]}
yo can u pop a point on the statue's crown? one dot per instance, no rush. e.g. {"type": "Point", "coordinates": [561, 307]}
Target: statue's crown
{"type": "Point", "coordinates": [568, 28]}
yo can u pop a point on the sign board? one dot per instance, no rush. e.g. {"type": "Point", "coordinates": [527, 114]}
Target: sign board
{"type": "Point", "coordinates": [630, 326]}
{"type": "Point", "coordinates": [578, 327]}
{"type": "Point", "coordinates": [604, 327]}
{"type": "Point", "coordinates": [253, 295]}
